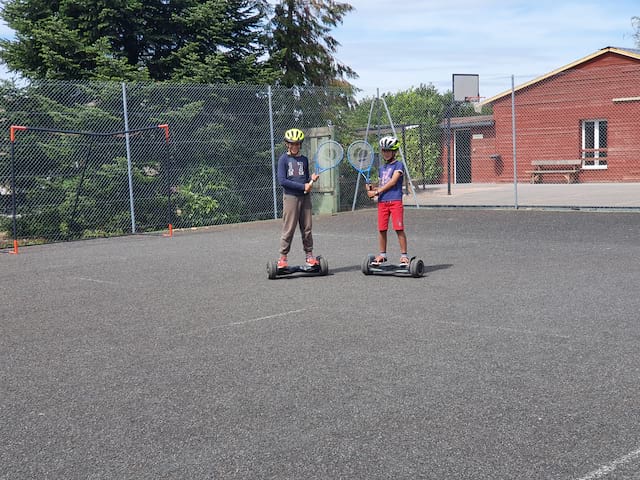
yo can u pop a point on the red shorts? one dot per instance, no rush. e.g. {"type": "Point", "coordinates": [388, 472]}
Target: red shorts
{"type": "Point", "coordinates": [393, 209]}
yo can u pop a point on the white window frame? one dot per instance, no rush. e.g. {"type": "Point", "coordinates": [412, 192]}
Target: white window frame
{"type": "Point", "coordinates": [599, 161]}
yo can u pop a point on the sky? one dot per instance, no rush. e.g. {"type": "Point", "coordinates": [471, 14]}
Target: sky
{"type": "Point", "coordinates": [401, 44]}
{"type": "Point", "coordinates": [395, 45]}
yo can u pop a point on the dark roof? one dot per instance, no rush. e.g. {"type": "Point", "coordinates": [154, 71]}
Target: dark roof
{"type": "Point", "coordinates": [468, 122]}
{"type": "Point", "coordinates": [627, 52]}
{"type": "Point", "coordinates": [386, 129]}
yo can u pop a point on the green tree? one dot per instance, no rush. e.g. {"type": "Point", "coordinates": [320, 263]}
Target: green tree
{"type": "Point", "coordinates": [417, 115]}
{"type": "Point", "coordinates": [190, 40]}
{"type": "Point", "coordinates": [223, 42]}
{"type": "Point", "coordinates": [301, 46]}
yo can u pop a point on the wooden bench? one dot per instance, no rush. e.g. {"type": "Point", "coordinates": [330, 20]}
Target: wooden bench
{"type": "Point", "coordinates": [569, 169]}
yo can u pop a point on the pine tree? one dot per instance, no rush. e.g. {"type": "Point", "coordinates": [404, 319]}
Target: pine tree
{"type": "Point", "coordinates": [301, 46]}
{"type": "Point", "coordinates": [192, 40]}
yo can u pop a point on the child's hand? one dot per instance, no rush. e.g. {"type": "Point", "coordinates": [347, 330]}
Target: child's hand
{"type": "Point", "coordinates": [308, 187]}
{"type": "Point", "coordinates": [371, 192]}
{"type": "Point", "coordinates": [314, 177]}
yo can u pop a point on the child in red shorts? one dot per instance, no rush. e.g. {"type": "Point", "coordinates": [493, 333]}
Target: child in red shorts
{"type": "Point", "coordinates": [389, 193]}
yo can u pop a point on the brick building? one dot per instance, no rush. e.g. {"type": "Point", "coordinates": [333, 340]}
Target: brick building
{"type": "Point", "coordinates": [588, 110]}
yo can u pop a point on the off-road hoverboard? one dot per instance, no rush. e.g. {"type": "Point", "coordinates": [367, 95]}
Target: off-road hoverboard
{"type": "Point", "coordinates": [322, 268]}
{"type": "Point", "coordinates": [415, 267]}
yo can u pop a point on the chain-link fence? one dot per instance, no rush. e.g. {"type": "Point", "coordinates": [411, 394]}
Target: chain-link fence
{"type": "Point", "coordinates": [77, 184]}
{"type": "Point", "coordinates": [100, 159]}
{"type": "Point", "coordinates": [96, 159]}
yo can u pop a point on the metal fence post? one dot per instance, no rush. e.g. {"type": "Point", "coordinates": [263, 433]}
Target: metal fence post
{"type": "Point", "coordinates": [273, 155]}
{"type": "Point", "coordinates": [126, 139]}
{"type": "Point", "coordinates": [13, 187]}
{"type": "Point", "coordinates": [513, 133]}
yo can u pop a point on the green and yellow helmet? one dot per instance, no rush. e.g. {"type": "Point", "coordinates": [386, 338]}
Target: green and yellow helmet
{"type": "Point", "coordinates": [293, 135]}
{"type": "Point", "coordinates": [389, 143]}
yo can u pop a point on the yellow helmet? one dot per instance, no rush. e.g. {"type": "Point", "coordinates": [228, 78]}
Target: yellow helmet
{"type": "Point", "coordinates": [293, 135]}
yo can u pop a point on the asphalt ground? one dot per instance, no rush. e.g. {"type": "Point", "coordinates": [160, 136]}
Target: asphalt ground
{"type": "Point", "coordinates": [148, 357]}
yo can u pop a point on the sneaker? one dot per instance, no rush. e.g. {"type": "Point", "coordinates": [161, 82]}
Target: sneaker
{"type": "Point", "coordinates": [379, 259]}
{"type": "Point", "coordinates": [312, 261]}
{"type": "Point", "coordinates": [404, 260]}
{"type": "Point", "coordinates": [282, 263]}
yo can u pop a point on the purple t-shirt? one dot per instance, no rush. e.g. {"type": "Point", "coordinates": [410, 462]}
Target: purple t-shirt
{"type": "Point", "coordinates": [385, 172]}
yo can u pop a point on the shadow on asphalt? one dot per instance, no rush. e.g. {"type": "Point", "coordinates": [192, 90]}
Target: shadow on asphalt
{"type": "Point", "coordinates": [348, 268]}
{"type": "Point", "coordinates": [434, 268]}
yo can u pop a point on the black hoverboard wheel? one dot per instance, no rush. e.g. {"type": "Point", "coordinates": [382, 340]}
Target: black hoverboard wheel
{"type": "Point", "coordinates": [324, 266]}
{"type": "Point", "coordinates": [272, 270]}
{"type": "Point", "coordinates": [366, 264]}
{"type": "Point", "coordinates": [416, 267]}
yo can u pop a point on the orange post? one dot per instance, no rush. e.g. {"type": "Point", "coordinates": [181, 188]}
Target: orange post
{"type": "Point", "coordinates": [12, 131]}
{"type": "Point", "coordinates": [165, 126]}
{"type": "Point", "coordinates": [15, 247]}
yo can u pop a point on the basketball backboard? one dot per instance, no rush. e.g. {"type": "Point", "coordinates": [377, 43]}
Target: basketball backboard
{"type": "Point", "coordinates": [466, 87]}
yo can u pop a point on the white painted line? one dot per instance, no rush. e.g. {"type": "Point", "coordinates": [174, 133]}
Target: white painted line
{"type": "Point", "coordinates": [201, 331]}
{"type": "Point", "coordinates": [85, 279]}
{"type": "Point", "coordinates": [253, 320]}
{"type": "Point", "coordinates": [504, 329]}
{"type": "Point", "coordinates": [607, 469]}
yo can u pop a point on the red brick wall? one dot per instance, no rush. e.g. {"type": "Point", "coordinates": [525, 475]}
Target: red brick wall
{"type": "Point", "coordinates": [548, 123]}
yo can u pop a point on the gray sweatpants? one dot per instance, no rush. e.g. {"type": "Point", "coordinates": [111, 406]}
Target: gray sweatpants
{"type": "Point", "coordinates": [296, 211]}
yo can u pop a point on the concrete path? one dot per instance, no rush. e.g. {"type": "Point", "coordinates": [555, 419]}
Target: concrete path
{"type": "Point", "coordinates": [581, 195]}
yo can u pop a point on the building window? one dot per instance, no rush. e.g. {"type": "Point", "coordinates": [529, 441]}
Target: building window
{"type": "Point", "coordinates": [594, 144]}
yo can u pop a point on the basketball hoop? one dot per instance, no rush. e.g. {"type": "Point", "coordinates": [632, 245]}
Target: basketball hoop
{"type": "Point", "coordinates": [475, 102]}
